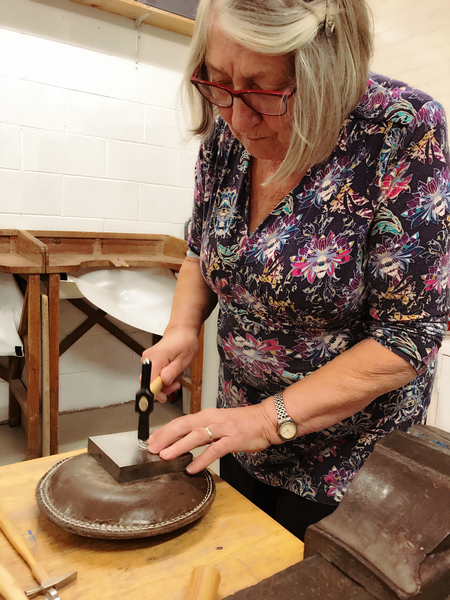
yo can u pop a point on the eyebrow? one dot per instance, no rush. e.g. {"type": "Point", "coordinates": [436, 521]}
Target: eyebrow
{"type": "Point", "coordinates": [210, 68]}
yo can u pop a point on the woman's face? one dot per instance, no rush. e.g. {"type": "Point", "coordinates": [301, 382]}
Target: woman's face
{"type": "Point", "coordinates": [229, 64]}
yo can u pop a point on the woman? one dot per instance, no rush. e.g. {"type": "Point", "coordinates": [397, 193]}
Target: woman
{"type": "Point", "coordinates": [320, 225]}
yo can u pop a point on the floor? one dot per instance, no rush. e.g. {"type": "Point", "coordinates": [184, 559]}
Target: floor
{"type": "Point", "coordinates": [76, 427]}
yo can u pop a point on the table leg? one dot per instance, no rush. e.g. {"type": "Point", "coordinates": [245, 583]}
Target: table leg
{"type": "Point", "coordinates": [197, 375]}
{"type": "Point", "coordinates": [14, 412]}
{"type": "Point", "coordinates": [33, 366]}
{"type": "Point", "coordinates": [53, 308]}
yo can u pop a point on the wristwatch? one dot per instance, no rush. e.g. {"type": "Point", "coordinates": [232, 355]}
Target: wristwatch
{"type": "Point", "coordinates": [287, 428]}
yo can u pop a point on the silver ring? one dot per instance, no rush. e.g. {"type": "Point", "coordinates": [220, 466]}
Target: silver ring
{"type": "Point", "coordinates": [211, 439]}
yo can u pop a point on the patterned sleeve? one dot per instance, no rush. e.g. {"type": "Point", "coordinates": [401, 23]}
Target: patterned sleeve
{"type": "Point", "coordinates": [207, 172]}
{"type": "Point", "coordinates": [195, 226]}
{"type": "Point", "coordinates": [408, 255]}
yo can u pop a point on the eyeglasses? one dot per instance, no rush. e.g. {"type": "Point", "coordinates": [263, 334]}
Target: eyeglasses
{"type": "Point", "coordinates": [273, 104]}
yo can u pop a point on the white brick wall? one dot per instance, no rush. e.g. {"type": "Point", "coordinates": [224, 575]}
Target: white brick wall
{"type": "Point", "coordinates": [89, 119]}
{"type": "Point", "coordinates": [91, 139]}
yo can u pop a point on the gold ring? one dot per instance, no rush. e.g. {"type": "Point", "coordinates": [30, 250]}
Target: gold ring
{"type": "Point", "coordinates": [211, 439]}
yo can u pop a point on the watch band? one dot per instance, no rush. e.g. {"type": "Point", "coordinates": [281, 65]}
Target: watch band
{"type": "Point", "coordinates": [280, 407]}
{"type": "Point", "coordinates": [287, 427]}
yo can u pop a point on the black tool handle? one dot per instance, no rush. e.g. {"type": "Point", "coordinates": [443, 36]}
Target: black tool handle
{"type": "Point", "coordinates": [144, 401]}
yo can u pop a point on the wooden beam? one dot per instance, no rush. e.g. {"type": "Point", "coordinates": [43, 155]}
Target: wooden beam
{"type": "Point", "coordinates": [76, 334]}
{"type": "Point", "coordinates": [20, 393]}
{"type": "Point", "coordinates": [186, 382]}
{"type": "Point", "coordinates": [4, 373]}
{"type": "Point", "coordinates": [33, 365]}
{"type": "Point", "coordinates": [45, 379]}
{"type": "Point", "coordinates": [14, 412]}
{"type": "Point", "coordinates": [53, 310]}
{"type": "Point", "coordinates": [134, 10]}
{"type": "Point", "coordinates": [99, 316]}
{"type": "Point", "coordinates": [197, 376]}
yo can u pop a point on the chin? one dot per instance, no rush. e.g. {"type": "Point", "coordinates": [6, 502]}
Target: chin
{"type": "Point", "coordinates": [265, 150]}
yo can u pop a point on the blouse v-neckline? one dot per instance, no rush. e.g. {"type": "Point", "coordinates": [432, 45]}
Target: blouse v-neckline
{"type": "Point", "coordinates": [251, 231]}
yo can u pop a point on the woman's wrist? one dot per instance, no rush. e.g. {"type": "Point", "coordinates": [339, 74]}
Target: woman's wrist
{"type": "Point", "coordinates": [183, 326]}
{"type": "Point", "coordinates": [271, 419]}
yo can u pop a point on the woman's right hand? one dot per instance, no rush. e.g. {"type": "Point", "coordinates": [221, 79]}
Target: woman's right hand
{"type": "Point", "coordinates": [171, 356]}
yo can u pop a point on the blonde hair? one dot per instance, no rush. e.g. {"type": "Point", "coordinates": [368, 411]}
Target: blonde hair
{"type": "Point", "coordinates": [331, 71]}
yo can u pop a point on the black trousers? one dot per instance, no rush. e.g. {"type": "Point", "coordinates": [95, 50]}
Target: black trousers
{"type": "Point", "coordinates": [293, 512]}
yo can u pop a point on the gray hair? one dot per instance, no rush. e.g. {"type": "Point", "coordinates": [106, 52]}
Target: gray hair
{"type": "Point", "coordinates": [331, 71]}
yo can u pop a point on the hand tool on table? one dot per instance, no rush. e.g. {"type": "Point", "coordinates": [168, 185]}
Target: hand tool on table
{"type": "Point", "coordinates": [47, 585]}
{"type": "Point", "coordinates": [9, 588]}
{"type": "Point", "coordinates": [119, 490]}
{"type": "Point", "coordinates": [204, 583]}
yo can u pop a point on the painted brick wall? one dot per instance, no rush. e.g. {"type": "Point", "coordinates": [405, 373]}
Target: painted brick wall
{"type": "Point", "coordinates": [91, 139]}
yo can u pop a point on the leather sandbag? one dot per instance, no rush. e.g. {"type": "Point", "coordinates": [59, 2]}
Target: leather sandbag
{"type": "Point", "coordinates": [81, 497]}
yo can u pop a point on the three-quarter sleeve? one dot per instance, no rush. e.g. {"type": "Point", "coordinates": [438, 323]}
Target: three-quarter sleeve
{"type": "Point", "coordinates": [195, 225]}
{"type": "Point", "coordinates": [408, 268]}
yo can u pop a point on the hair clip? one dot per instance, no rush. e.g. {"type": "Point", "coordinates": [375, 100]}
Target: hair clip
{"type": "Point", "coordinates": [329, 21]}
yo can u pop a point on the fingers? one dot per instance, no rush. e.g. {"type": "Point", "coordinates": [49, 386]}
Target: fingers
{"type": "Point", "coordinates": [194, 439]}
{"type": "Point", "coordinates": [169, 373]}
{"type": "Point", "coordinates": [241, 429]}
{"type": "Point", "coordinates": [167, 390]}
{"type": "Point", "coordinates": [166, 436]}
{"type": "Point", "coordinates": [213, 452]}
{"type": "Point", "coordinates": [198, 437]}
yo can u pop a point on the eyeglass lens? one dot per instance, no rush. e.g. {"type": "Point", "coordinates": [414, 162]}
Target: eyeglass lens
{"type": "Point", "coordinates": [265, 104]}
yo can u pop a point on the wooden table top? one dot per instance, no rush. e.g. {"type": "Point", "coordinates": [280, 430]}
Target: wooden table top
{"type": "Point", "coordinates": [235, 537]}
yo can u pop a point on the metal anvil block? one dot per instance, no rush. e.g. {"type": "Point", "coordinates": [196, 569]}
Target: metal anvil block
{"type": "Point", "coordinates": [120, 455]}
{"type": "Point", "coordinates": [311, 579]}
{"type": "Point", "coordinates": [389, 537]}
{"type": "Point", "coordinates": [391, 532]}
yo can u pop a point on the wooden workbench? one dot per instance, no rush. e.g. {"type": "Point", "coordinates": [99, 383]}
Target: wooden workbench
{"type": "Point", "coordinates": [42, 256]}
{"type": "Point", "coordinates": [237, 538]}
{"type": "Point", "coordinates": [22, 254]}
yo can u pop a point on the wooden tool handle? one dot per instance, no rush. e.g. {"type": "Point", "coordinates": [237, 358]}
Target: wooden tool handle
{"type": "Point", "coordinates": [19, 544]}
{"type": "Point", "coordinates": [204, 584]}
{"type": "Point", "coordinates": [9, 588]}
{"type": "Point", "coordinates": [156, 385]}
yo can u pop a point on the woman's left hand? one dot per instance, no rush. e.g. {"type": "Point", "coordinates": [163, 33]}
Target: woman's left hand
{"type": "Point", "coordinates": [241, 429]}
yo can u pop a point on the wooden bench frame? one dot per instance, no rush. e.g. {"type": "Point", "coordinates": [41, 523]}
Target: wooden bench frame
{"type": "Point", "coordinates": [41, 257]}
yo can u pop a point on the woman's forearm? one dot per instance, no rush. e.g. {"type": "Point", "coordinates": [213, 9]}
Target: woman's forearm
{"type": "Point", "coordinates": [345, 385]}
{"type": "Point", "coordinates": [193, 300]}
{"type": "Point", "coordinates": [338, 390]}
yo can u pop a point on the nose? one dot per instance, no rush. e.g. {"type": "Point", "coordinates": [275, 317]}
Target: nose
{"type": "Point", "coordinates": [244, 118]}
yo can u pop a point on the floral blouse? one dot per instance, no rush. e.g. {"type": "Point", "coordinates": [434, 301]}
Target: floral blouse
{"type": "Point", "coordinates": [358, 249]}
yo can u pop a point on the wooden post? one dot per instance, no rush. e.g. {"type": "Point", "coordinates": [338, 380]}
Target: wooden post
{"type": "Point", "coordinates": [14, 412]}
{"type": "Point", "coordinates": [53, 317]}
{"type": "Point", "coordinates": [33, 365]}
{"type": "Point", "coordinates": [45, 379]}
{"type": "Point", "coordinates": [197, 376]}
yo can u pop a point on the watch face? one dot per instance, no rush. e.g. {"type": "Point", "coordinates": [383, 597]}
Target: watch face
{"type": "Point", "coordinates": [288, 430]}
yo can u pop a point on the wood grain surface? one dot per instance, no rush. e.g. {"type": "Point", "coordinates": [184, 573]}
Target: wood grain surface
{"type": "Point", "coordinates": [235, 537]}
